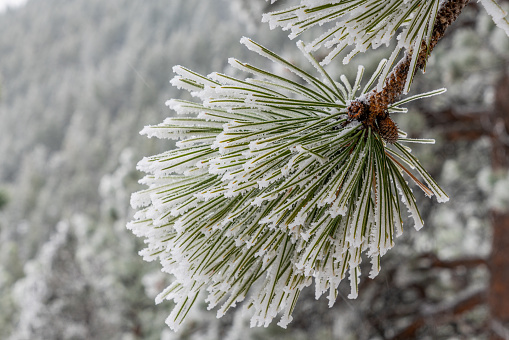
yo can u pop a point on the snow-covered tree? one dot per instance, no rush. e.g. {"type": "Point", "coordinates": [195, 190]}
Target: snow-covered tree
{"type": "Point", "coordinates": [290, 176]}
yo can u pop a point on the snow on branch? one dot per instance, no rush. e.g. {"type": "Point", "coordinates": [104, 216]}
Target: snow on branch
{"type": "Point", "coordinates": [365, 24]}
{"type": "Point", "coordinates": [362, 24]}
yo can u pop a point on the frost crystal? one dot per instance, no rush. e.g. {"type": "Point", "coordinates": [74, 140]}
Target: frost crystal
{"type": "Point", "coordinates": [497, 13]}
{"type": "Point", "coordinates": [364, 24]}
{"type": "Point", "coordinates": [361, 24]}
{"type": "Point", "coordinates": [268, 191]}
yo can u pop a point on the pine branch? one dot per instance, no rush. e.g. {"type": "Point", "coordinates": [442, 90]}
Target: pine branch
{"type": "Point", "coordinates": [267, 185]}
{"type": "Point", "coordinates": [394, 84]}
{"type": "Point", "coordinates": [376, 116]}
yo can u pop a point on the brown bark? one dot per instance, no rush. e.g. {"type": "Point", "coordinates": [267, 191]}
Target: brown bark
{"type": "Point", "coordinates": [498, 298]}
{"type": "Point", "coordinates": [500, 125]}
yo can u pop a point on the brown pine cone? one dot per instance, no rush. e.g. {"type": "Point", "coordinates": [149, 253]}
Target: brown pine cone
{"type": "Point", "coordinates": [358, 110]}
{"type": "Point", "coordinates": [388, 130]}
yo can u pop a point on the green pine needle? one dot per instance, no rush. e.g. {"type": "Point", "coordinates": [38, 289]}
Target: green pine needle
{"type": "Point", "coordinates": [362, 24]}
{"type": "Point", "coordinates": [267, 191]}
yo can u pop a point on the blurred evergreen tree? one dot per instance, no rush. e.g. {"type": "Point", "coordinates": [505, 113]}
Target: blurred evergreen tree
{"type": "Point", "coordinates": [80, 78]}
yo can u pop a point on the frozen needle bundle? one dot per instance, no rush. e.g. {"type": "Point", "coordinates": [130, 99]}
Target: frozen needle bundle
{"type": "Point", "coordinates": [273, 186]}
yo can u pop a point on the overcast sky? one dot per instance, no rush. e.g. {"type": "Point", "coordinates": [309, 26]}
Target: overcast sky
{"type": "Point", "coordinates": [11, 3]}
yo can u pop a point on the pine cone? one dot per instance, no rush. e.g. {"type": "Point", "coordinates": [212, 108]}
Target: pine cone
{"type": "Point", "coordinates": [388, 130]}
{"type": "Point", "coordinates": [358, 110]}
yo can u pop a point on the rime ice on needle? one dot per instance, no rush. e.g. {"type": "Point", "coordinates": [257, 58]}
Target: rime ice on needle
{"type": "Point", "coordinates": [369, 24]}
{"type": "Point", "coordinates": [267, 186]}
{"type": "Point", "coordinates": [362, 24]}
{"type": "Point", "coordinates": [497, 13]}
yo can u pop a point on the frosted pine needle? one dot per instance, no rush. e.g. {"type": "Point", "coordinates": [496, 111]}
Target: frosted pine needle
{"type": "Point", "coordinates": [365, 24]}
{"type": "Point", "coordinates": [268, 191]}
{"type": "Point", "coordinates": [362, 24]}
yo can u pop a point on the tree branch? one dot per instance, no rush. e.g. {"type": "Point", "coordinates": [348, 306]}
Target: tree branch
{"type": "Point", "coordinates": [442, 313]}
{"type": "Point", "coordinates": [375, 114]}
{"type": "Point", "coordinates": [435, 262]}
{"type": "Point", "coordinates": [395, 82]}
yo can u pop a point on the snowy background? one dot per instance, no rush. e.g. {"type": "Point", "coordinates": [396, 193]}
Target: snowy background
{"type": "Point", "coordinates": [11, 3]}
{"type": "Point", "coordinates": [80, 78]}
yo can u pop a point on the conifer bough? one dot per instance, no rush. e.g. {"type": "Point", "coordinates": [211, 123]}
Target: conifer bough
{"type": "Point", "coordinates": [278, 182]}
{"type": "Point", "coordinates": [372, 112]}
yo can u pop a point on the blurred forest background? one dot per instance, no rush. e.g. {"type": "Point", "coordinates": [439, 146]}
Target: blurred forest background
{"type": "Point", "coordinates": [80, 78]}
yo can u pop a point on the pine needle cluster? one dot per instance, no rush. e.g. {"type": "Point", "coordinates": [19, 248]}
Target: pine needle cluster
{"type": "Point", "coordinates": [364, 24]}
{"type": "Point", "coordinates": [273, 187]}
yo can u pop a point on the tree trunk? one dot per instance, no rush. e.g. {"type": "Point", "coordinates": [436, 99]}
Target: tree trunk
{"type": "Point", "coordinates": [498, 298]}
